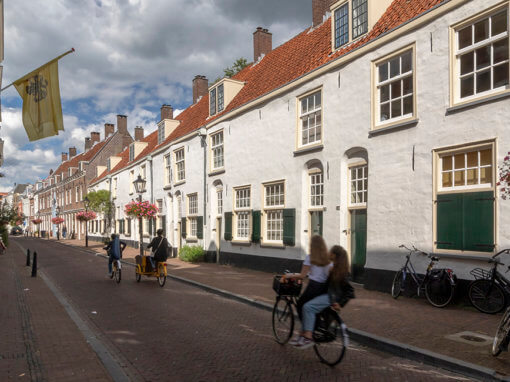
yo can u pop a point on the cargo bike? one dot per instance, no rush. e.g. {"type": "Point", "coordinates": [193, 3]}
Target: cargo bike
{"type": "Point", "coordinates": [144, 268]}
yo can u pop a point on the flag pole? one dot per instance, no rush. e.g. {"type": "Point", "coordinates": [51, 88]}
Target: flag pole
{"type": "Point", "coordinates": [55, 59]}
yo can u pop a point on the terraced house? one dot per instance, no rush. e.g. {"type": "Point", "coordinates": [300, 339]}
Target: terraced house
{"type": "Point", "coordinates": [383, 123]}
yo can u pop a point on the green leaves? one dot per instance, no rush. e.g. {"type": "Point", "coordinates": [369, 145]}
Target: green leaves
{"type": "Point", "coordinates": [99, 201]}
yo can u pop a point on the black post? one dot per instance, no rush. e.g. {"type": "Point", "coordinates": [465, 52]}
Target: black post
{"type": "Point", "coordinates": [34, 265]}
{"type": "Point", "coordinates": [140, 223]}
{"type": "Point", "coordinates": [86, 233]}
{"type": "Point", "coordinates": [28, 257]}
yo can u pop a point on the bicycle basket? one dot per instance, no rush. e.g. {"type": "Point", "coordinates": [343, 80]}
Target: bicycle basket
{"type": "Point", "coordinates": [479, 274]}
{"type": "Point", "coordinates": [287, 288]}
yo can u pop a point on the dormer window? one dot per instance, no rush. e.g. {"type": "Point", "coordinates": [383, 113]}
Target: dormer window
{"type": "Point", "coordinates": [342, 15]}
{"type": "Point", "coordinates": [109, 165]}
{"type": "Point", "coordinates": [221, 98]}
{"type": "Point", "coordinates": [222, 93]}
{"type": "Point", "coordinates": [161, 133]}
{"type": "Point", "coordinates": [342, 25]}
{"type": "Point", "coordinates": [131, 152]}
{"type": "Point", "coordinates": [212, 102]}
{"type": "Point", "coordinates": [359, 18]}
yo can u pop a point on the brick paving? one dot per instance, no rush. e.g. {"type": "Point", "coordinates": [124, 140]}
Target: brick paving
{"type": "Point", "coordinates": [181, 333]}
{"type": "Point", "coordinates": [407, 320]}
{"type": "Point", "coordinates": [38, 340]}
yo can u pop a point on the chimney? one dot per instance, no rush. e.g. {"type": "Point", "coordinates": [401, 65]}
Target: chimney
{"type": "Point", "coordinates": [139, 133]}
{"type": "Point", "coordinates": [95, 137]}
{"type": "Point", "coordinates": [167, 112]}
{"type": "Point", "coordinates": [64, 157]}
{"type": "Point", "coordinates": [72, 152]}
{"type": "Point", "coordinates": [122, 124]}
{"type": "Point", "coordinates": [109, 129]}
{"type": "Point", "coordinates": [262, 43]}
{"type": "Point", "coordinates": [319, 9]}
{"type": "Point", "coordinates": [200, 87]}
{"type": "Point", "coordinates": [88, 144]}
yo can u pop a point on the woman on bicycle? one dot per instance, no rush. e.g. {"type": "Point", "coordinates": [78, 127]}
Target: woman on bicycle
{"type": "Point", "coordinates": [316, 265]}
{"type": "Point", "coordinates": [338, 293]}
{"type": "Point", "coordinates": [114, 250]}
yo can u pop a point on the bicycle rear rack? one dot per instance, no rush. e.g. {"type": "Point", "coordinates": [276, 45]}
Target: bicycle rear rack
{"type": "Point", "coordinates": [481, 274]}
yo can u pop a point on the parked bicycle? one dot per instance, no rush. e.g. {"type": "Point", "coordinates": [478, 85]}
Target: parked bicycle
{"type": "Point", "coordinates": [502, 337]}
{"type": "Point", "coordinates": [330, 333]}
{"type": "Point", "coordinates": [488, 292]}
{"type": "Point", "coordinates": [437, 283]}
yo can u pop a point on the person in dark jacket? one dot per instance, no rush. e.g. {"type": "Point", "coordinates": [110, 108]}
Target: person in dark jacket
{"type": "Point", "coordinates": [159, 246]}
{"type": "Point", "coordinates": [339, 293]}
{"type": "Point", "coordinates": [114, 250]}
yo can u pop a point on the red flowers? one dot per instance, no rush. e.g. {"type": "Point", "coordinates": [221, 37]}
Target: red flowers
{"type": "Point", "coordinates": [57, 220]}
{"type": "Point", "coordinates": [37, 221]}
{"type": "Point", "coordinates": [85, 216]}
{"type": "Point", "coordinates": [141, 209]}
{"type": "Point", "coordinates": [504, 178]}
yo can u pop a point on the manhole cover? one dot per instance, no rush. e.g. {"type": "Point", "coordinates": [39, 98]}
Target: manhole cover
{"type": "Point", "coordinates": [471, 338]}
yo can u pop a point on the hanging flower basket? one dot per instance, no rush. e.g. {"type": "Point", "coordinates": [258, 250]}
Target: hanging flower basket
{"type": "Point", "coordinates": [37, 221]}
{"type": "Point", "coordinates": [57, 220]}
{"type": "Point", "coordinates": [85, 216]}
{"type": "Point", "coordinates": [504, 178]}
{"type": "Point", "coordinates": [141, 209]}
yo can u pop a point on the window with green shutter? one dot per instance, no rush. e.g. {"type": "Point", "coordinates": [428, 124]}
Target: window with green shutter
{"type": "Point", "coordinates": [200, 227]}
{"type": "Point", "coordinates": [228, 226]}
{"type": "Point", "coordinates": [255, 233]}
{"type": "Point", "coordinates": [183, 228]}
{"type": "Point", "coordinates": [289, 226]}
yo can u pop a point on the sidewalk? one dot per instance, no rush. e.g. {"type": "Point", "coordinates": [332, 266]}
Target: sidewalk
{"type": "Point", "coordinates": [38, 340]}
{"type": "Point", "coordinates": [411, 321]}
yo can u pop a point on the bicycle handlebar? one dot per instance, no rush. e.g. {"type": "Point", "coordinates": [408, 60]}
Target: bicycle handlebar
{"type": "Point", "coordinates": [507, 251]}
{"type": "Point", "coordinates": [416, 250]}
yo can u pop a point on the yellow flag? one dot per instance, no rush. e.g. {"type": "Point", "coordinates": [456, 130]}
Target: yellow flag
{"type": "Point", "coordinates": [42, 109]}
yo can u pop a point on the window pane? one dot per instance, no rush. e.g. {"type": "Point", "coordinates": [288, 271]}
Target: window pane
{"type": "Point", "coordinates": [472, 176]}
{"type": "Point", "coordinates": [467, 63]}
{"type": "Point", "coordinates": [447, 163]}
{"type": "Point", "coordinates": [500, 51]}
{"type": "Point", "coordinates": [499, 23]}
{"type": "Point", "coordinates": [385, 93]}
{"type": "Point", "coordinates": [396, 90]}
{"type": "Point", "coordinates": [396, 108]}
{"type": "Point", "coordinates": [481, 30]}
{"type": "Point", "coordinates": [407, 62]}
{"type": "Point", "coordinates": [467, 86]}
{"type": "Point", "coordinates": [383, 72]}
{"type": "Point", "coordinates": [385, 112]}
{"type": "Point", "coordinates": [472, 159]}
{"type": "Point", "coordinates": [483, 81]}
{"type": "Point", "coordinates": [500, 75]}
{"type": "Point", "coordinates": [483, 57]}
{"type": "Point", "coordinates": [318, 99]}
{"type": "Point", "coordinates": [486, 175]}
{"type": "Point", "coordinates": [465, 37]}
{"type": "Point", "coordinates": [408, 85]}
{"type": "Point", "coordinates": [459, 178]}
{"type": "Point", "coordinates": [408, 105]}
{"type": "Point", "coordinates": [460, 161]}
{"type": "Point", "coordinates": [485, 157]}
{"type": "Point", "coordinates": [447, 179]}
{"type": "Point", "coordinates": [395, 67]}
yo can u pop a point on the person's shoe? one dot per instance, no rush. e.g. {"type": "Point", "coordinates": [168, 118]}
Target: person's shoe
{"type": "Point", "coordinates": [304, 343]}
{"type": "Point", "coordinates": [295, 340]}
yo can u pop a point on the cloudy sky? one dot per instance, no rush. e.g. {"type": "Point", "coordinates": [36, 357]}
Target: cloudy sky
{"type": "Point", "coordinates": [131, 57]}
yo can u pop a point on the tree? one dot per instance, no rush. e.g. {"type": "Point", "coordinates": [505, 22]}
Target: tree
{"type": "Point", "coordinates": [236, 67]}
{"type": "Point", "coordinates": [100, 201]}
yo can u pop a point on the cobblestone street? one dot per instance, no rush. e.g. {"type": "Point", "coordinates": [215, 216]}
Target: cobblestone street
{"type": "Point", "coordinates": [175, 333]}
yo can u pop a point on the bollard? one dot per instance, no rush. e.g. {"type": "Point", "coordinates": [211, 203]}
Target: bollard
{"type": "Point", "coordinates": [34, 265]}
{"type": "Point", "coordinates": [28, 257]}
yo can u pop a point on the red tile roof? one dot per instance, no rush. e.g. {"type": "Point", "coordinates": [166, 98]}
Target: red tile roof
{"type": "Point", "coordinates": [302, 54]}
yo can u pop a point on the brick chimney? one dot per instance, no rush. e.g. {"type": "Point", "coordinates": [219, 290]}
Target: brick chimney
{"type": "Point", "coordinates": [200, 87]}
{"type": "Point", "coordinates": [88, 144]}
{"type": "Point", "coordinates": [95, 137]}
{"type": "Point", "coordinates": [64, 157]}
{"type": "Point", "coordinates": [138, 133]}
{"type": "Point", "coordinates": [262, 43]}
{"type": "Point", "coordinates": [72, 152]}
{"type": "Point", "coordinates": [109, 129]}
{"type": "Point", "coordinates": [122, 124]}
{"type": "Point", "coordinates": [319, 9]}
{"type": "Point", "coordinates": [167, 112]}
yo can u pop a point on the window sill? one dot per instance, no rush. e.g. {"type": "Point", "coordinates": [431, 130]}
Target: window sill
{"type": "Point", "coordinates": [462, 256]}
{"type": "Point", "coordinates": [191, 240]}
{"type": "Point", "coordinates": [167, 187]}
{"type": "Point", "coordinates": [477, 102]}
{"type": "Point", "coordinates": [308, 149]}
{"type": "Point", "coordinates": [241, 242]}
{"type": "Point", "coordinates": [217, 172]}
{"type": "Point", "coordinates": [179, 183]}
{"type": "Point", "coordinates": [272, 245]}
{"type": "Point", "coordinates": [394, 126]}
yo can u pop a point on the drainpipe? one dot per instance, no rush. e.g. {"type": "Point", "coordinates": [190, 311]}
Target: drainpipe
{"type": "Point", "coordinates": [202, 133]}
{"type": "Point", "coordinates": [109, 177]}
{"type": "Point", "coordinates": [149, 159]}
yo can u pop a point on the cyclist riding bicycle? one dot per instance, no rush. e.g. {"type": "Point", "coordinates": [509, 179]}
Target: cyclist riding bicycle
{"type": "Point", "coordinates": [114, 249]}
{"type": "Point", "coordinates": [316, 266]}
{"type": "Point", "coordinates": [160, 247]}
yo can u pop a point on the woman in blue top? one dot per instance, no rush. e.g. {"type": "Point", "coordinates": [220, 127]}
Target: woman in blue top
{"type": "Point", "coordinates": [316, 266]}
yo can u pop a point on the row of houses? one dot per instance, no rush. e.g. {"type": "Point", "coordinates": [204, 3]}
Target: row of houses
{"type": "Point", "coordinates": [383, 123]}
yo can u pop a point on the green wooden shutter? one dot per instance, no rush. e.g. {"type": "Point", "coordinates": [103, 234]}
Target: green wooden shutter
{"type": "Point", "coordinates": [163, 224]}
{"type": "Point", "coordinates": [228, 226]}
{"type": "Point", "coordinates": [183, 228]}
{"type": "Point", "coordinates": [321, 219]}
{"type": "Point", "coordinates": [289, 226]}
{"type": "Point", "coordinates": [449, 221]}
{"type": "Point", "coordinates": [478, 221]}
{"type": "Point", "coordinates": [200, 227]}
{"type": "Point", "coordinates": [255, 220]}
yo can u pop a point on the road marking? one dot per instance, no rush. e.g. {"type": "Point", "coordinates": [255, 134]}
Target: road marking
{"type": "Point", "coordinates": [110, 363]}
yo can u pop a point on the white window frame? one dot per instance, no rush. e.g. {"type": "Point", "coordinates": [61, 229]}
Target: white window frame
{"type": "Point", "coordinates": [457, 53]}
{"type": "Point", "coordinates": [143, 172]}
{"type": "Point", "coordinates": [193, 204]}
{"type": "Point", "coordinates": [180, 162]}
{"type": "Point", "coordinates": [191, 220]}
{"type": "Point", "coordinates": [217, 99]}
{"type": "Point", "coordinates": [217, 151]}
{"type": "Point", "coordinates": [219, 201]}
{"type": "Point", "coordinates": [316, 189]}
{"type": "Point", "coordinates": [308, 115]}
{"type": "Point", "coordinates": [355, 34]}
{"type": "Point", "coordinates": [354, 189]}
{"type": "Point", "coordinates": [168, 169]}
{"type": "Point", "coordinates": [161, 133]}
{"type": "Point", "coordinates": [242, 213]}
{"type": "Point", "coordinates": [274, 203]}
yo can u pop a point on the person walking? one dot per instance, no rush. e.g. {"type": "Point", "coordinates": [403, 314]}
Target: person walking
{"type": "Point", "coordinates": [160, 247]}
{"type": "Point", "coordinates": [64, 232]}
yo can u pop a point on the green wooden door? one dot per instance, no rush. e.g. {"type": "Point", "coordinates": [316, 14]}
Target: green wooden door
{"type": "Point", "coordinates": [358, 243]}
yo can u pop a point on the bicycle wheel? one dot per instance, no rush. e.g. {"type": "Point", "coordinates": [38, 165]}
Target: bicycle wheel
{"type": "Point", "coordinates": [501, 338]}
{"type": "Point", "coordinates": [138, 277]}
{"type": "Point", "coordinates": [331, 340]}
{"type": "Point", "coordinates": [283, 320]}
{"type": "Point", "coordinates": [486, 296]}
{"type": "Point", "coordinates": [118, 273]}
{"type": "Point", "coordinates": [439, 292]}
{"type": "Point", "coordinates": [161, 277]}
{"type": "Point", "coordinates": [396, 287]}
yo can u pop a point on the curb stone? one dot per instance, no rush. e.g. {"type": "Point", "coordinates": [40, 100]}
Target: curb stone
{"type": "Point", "coordinates": [364, 338]}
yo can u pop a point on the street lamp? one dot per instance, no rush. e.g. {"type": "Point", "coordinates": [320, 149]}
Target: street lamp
{"type": "Point", "coordinates": [139, 184]}
{"type": "Point", "coordinates": [57, 210]}
{"type": "Point", "coordinates": [86, 202]}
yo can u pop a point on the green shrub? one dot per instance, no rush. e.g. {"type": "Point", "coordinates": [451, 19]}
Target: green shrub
{"type": "Point", "coordinates": [5, 234]}
{"type": "Point", "coordinates": [191, 254]}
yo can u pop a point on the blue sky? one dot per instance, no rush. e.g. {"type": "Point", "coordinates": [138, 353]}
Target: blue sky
{"type": "Point", "coordinates": [131, 57]}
